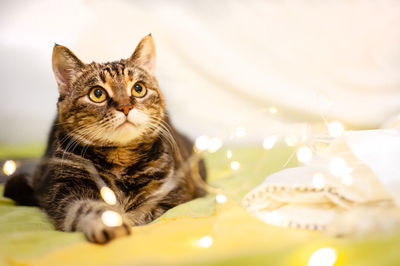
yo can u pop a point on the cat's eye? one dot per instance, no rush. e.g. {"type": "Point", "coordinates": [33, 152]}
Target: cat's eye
{"type": "Point", "coordinates": [139, 90]}
{"type": "Point", "coordinates": [98, 95]}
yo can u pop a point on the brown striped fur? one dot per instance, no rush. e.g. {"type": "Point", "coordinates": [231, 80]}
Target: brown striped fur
{"type": "Point", "coordinates": [147, 164]}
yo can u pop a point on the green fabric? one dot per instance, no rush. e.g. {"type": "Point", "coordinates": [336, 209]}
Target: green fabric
{"type": "Point", "coordinates": [27, 234]}
{"type": "Point", "coordinates": [8, 151]}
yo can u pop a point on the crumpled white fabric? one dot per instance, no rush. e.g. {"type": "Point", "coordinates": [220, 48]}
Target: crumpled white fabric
{"type": "Point", "coordinates": [290, 198]}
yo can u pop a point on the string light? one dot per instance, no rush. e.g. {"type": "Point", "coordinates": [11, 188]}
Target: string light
{"type": "Point", "coordinates": [240, 132]}
{"type": "Point", "coordinates": [214, 144]}
{"type": "Point", "coordinates": [229, 154]}
{"type": "Point", "coordinates": [235, 165]}
{"type": "Point", "coordinates": [269, 142]}
{"type": "Point", "coordinates": [220, 198]}
{"type": "Point", "coordinates": [335, 129]}
{"type": "Point", "coordinates": [111, 218]}
{"type": "Point", "coordinates": [9, 167]}
{"type": "Point", "coordinates": [202, 143]}
{"type": "Point", "coordinates": [205, 241]}
{"type": "Point", "coordinates": [304, 154]}
{"type": "Point", "coordinates": [323, 257]}
{"type": "Point", "coordinates": [291, 140]}
{"type": "Point", "coordinates": [108, 195]}
{"type": "Point", "coordinates": [318, 180]}
{"type": "Point", "coordinates": [273, 110]}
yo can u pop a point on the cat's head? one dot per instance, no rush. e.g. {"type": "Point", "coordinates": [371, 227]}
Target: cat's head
{"type": "Point", "coordinates": [109, 104]}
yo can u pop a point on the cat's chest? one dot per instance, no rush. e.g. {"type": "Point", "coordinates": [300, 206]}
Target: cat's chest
{"type": "Point", "coordinates": [121, 159]}
{"type": "Point", "coordinates": [140, 174]}
{"type": "Point", "coordinates": [135, 178]}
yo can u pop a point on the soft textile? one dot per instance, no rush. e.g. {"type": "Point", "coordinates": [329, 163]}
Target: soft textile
{"type": "Point", "coordinates": [360, 174]}
{"type": "Point", "coordinates": [28, 238]}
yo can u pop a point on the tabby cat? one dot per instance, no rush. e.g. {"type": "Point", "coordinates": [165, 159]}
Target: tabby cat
{"type": "Point", "coordinates": [112, 130]}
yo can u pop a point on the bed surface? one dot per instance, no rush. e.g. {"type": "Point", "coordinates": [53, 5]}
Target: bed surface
{"type": "Point", "coordinates": [28, 237]}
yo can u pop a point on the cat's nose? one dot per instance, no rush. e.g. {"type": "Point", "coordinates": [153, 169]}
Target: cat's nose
{"type": "Point", "coordinates": [125, 108]}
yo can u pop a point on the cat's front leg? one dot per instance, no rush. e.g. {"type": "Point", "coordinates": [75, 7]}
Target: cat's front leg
{"type": "Point", "coordinates": [99, 222]}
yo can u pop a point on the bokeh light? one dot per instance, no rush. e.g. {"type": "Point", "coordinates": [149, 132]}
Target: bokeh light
{"type": "Point", "coordinates": [304, 154]}
{"type": "Point", "coordinates": [9, 167]}
{"type": "Point", "coordinates": [108, 195]}
{"type": "Point", "coordinates": [111, 218]}
{"type": "Point", "coordinates": [273, 110]}
{"type": "Point", "coordinates": [347, 179]}
{"type": "Point", "coordinates": [269, 142]}
{"type": "Point", "coordinates": [335, 129]}
{"type": "Point", "coordinates": [338, 166]}
{"type": "Point", "coordinates": [318, 181]}
{"type": "Point", "coordinates": [323, 257]}
{"type": "Point", "coordinates": [235, 165]}
{"type": "Point", "coordinates": [291, 140]}
{"type": "Point", "coordinates": [220, 198]}
{"type": "Point", "coordinates": [240, 132]}
{"type": "Point", "coordinates": [274, 218]}
{"type": "Point", "coordinates": [214, 144]}
{"type": "Point", "coordinates": [202, 143]}
{"type": "Point", "coordinates": [205, 241]}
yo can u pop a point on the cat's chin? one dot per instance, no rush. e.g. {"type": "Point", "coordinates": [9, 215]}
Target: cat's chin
{"type": "Point", "coordinates": [124, 134]}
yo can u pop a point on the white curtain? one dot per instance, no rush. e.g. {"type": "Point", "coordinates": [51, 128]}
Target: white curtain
{"type": "Point", "coordinates": [221, 64]}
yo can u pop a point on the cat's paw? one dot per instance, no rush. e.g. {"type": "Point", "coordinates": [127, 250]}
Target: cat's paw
{"type": "Point", "coordinates": [99, 222]}
{"type": "Point", "coordinates": [100, 233]}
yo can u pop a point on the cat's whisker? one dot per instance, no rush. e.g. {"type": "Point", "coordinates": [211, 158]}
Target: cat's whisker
{"type": "Point", "coordinates": [74, 138]}
{"type": "Point", "coordinates": [166, 132]}
{"type": "Point", "coordinates": [161, 132]}
{"type": "Point", "coordinates": [91, 138]}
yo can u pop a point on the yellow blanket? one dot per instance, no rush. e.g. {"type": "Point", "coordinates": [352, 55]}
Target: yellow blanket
{"type": "Point", "coordinates": [200, 232]}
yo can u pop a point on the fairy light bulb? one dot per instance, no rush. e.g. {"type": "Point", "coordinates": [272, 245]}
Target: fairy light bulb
{"type": "Point", "coordinates": [214, 144]}
{"type": "Point", "coordinates": [108, 195]}
{"type": "Point", "coordinates": [274, 218]}
{"type": "Point", "coordinates": [335, 129]}
{"type": "Point", "coordinates": [220, 198]}
{"type": "Point", "coordinates": [323, 257]}
{"type": "Point", "coordinates": [347, 179]}
{"type": "Point", "coordinates": [205, 241]}
{"type": "Point", "coordinates": [273, 110]}
{"type": "Point", "coordinates": [269, 142]}
{"type": "Point", "coordinates": [338, 166]}
{"type": "Point", "coordinates": [9, 167]}
{"type": "Point", "coordinates": [318, 181]}
{"type": "Point", "coordinates": [235, 165]}
{"type": "Point", "coordinates": [229, 154]}
{"type": "Point", "coordinates": [291, 140]}
{"type": "Point", "coordinates": [111, 218]}
{"type": "Point", "coordinates": [304, 154]}
{"type": "Point", "coordinates": [202, 143]}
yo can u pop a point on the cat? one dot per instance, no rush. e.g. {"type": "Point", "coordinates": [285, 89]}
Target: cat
{"type": "Point", "coordinates": [113, 131]}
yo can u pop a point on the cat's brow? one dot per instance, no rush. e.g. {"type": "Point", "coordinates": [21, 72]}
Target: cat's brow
{"type": "Point", "coordinates": [102, 76]}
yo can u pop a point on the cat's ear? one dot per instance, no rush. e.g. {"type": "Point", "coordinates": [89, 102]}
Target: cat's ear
{"type": "Point", "coordinates": [65, 67]}
{"type": "Point", "coordinates": [145, 54]}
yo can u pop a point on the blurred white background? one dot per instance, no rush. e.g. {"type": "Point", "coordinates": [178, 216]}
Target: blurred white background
{"type": "Point", "coordinates": [221, 64]}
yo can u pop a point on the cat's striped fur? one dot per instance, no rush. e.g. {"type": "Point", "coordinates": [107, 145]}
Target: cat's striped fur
{"type": "Point", "coordinates": [147, 163]}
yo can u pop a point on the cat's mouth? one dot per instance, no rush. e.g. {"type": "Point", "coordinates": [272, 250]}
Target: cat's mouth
{"type": "Point", "coordinates": [126, 123]}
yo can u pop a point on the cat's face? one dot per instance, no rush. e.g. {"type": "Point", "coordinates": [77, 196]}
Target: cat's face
{"type": "Point", "coordinates": [110, 104]}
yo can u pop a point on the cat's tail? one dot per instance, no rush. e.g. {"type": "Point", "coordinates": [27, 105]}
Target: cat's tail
{"type": "Point", "coordinates": [19, 189]}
